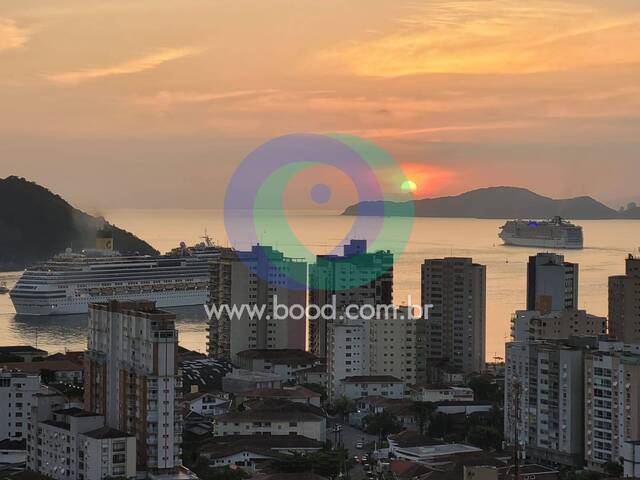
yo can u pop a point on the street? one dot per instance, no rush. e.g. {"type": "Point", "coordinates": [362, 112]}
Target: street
{"type": "Point", "coordinates": [349, 437]}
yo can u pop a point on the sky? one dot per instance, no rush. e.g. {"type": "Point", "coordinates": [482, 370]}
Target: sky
{"type": "Point", "coordinates": [153, 104]}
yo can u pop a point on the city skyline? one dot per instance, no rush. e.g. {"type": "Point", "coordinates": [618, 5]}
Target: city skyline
{"type": "Point", "coordinates": [462, 94]}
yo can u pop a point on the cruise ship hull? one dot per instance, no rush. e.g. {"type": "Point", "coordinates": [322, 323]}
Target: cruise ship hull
{"type": "Point", "coordinates": [539, 243]}
{"type": "Point", "coordinates": [71, 306]}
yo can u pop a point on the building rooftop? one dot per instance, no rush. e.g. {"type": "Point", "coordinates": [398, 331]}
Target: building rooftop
{"type": "Point", "coordinates": [37, 367]}
{"type": "Point", "coordinates": [76, 412]}
{"type": "Point", "coordinates": [279, 356]}
{"type": "Point", "coordinates": [205, 373]}
{"type": "Point", "coordinates": [297, 392]}
{"type": "Point", "coordinates": [107, 432]}
{"type": "Point", "coordinates": [21, 349]}
{"type": "Point", "coordinates": [275, 410]}
{"type": "Point", "coordinates": [233, 444]}
{"type": "Point", "coordinates": [8, 444]}
{"type": "Point", "coordinates": [139, 308]}
{"type": "Point", "coordinates": [372, 379]}
{"type": "Point", "coordinates": [410, 438]}
{"type": "Point", "coordinates": [315, 369]}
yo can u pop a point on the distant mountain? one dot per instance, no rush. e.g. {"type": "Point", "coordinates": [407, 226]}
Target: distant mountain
{"type": "Point", "coordinates": [36, 224]}
{"type": "Point", "coordinates": [497, 202]}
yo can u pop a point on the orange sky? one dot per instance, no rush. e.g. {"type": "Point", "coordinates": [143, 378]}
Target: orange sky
{"type": "Point", "coordinates": [147, 103]}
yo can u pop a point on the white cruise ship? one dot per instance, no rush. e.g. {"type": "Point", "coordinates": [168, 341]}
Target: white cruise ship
{"type": "Point", "coordinates": [69, 282]}
{"type": "Point", "coordinates": [554, 233]}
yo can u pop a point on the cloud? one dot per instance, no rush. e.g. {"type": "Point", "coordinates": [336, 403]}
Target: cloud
{"type": "Point", "coordinates": [141, 64]}
{"type": "Point", "coordinates": [167, 99]}
{"type": "Point", "coordinates": [494, 37]}
{"type": "Point", "coordinates": [11, 36]}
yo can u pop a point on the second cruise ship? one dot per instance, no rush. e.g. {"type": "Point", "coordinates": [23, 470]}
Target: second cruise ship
{"type": "Point", "coordinates": [69, 282]}
{"type": "Point", "coordinates": [554, 233]}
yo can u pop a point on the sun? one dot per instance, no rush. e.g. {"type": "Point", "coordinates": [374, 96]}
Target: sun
{"type": "Point", "coordinates": [408, 186]}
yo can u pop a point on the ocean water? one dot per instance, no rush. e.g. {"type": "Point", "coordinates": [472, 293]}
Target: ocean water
{"type": "Point", "coordinates": [607, 243]}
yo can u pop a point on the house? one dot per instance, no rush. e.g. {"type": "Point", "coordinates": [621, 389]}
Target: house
{"type": "Point", "coordinates": [196, 425]}
{"type": "Point", "coordinates": [407, 470]}
{"type": "Point", "coordinates": [316, 375]}
{"type": "Point", "coordinates": [372, 385]}
{"type": "Point", "coordinates": [12, 452]}
{"type": "Point", "coordinates": [249, 451]}
{"type": "Point", "coordinates": [441, 393]}
{"type": "Point", "coordinates": [51, 371]}
{"type": "Point", "coordinates": [297, 394]}
{"type": "Point", "coordinates": [274, 419]}
{"type": "Point", "coordinates": [402, 409]}
{"type": "Point", "coordinates": [26, 352]}
{"type": "Point", "coordinates": [239, 381]}
{"type": "Point", "coordinates": [283, 362]}
{"type": "Point", "coordinates": [207, 404]}
{"type": "Point", "coordinates": [466, 408]}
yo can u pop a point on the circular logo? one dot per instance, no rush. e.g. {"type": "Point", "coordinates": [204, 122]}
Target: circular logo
{"type": "Point", "coordinates": [254, 199]}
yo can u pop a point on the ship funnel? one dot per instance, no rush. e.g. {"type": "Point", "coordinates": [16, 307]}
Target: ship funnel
{"type": "Point", "coordinates": [104, 239]}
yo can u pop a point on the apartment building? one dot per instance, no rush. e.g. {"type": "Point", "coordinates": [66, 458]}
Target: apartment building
{"type": "Point", "coordinates": [382, 345]}
{"type": "Point", "coordinates": [552, 283]}
{"type": "Point", "coordinates": [361, 386]}
{"type": "Point", "coordinates": [454, 332]}
{"type": "Point", "coordinates": [274, 419]}
{"type": "Point", "coordinates": [612, 402]}
{"type": "Point", "coordinates": [544, 399]}
{"type": "Point", "coordinates": [71, 443]}
{"type": "Point", "coordinates": [259, 279]}
{"type": "Point", "coordinates": [132, 378]}
{"type": "Point", "coordinates": [357, 277]}
{"type": "Point", "coordinates": [529, 325]}
{"type": "Point", "coordinates": [624, 303]}
{"type": "Point", "coordinates": [16, 397]}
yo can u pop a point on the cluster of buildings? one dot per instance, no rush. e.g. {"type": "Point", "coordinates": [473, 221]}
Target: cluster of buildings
{"type": "Point", "coordinates": [381, 349]}
{"type": "Point", "coordinates": [572, 379]}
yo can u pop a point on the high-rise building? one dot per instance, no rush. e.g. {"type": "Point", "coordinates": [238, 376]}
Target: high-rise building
{"type": "Point", "coordinates": [380, 346]}
{"type": "Point", "coordinates": [544, 399]}
{"type": "Point", "coordinates": [612, 403]}
{"type": "Point", "coordinates": [132, 378]}
{"type": "Point", "coordinates": [552, 283]}
{"type": "Point", "coordinates": [354, 278]}
{"type": "Point", "coordinates": [454, 332]}
{"type": "Point", "coordinates": [253, 282]}
{"type": "Point", "coordinates": [531, 325]}
{"type": "Point", "coordinates": [16, 396]}
{"type": "Point", "coordinates": [624, 303]}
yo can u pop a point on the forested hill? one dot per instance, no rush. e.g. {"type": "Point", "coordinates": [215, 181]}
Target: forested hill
{"type": "Point", "coordinates": [36, 224]}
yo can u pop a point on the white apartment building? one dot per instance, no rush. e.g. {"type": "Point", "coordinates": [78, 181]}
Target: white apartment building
{"type": "Point", "coordinates": [372, 386]}
{"type": "Point", "coordinates": [612, 403]}
{"type": "Point", "coordinates": [132, 378]}
{"type": "Point", "coordinates": [72, 443]}
{"type": "Point", "coordinates": [16, 397]}
{"type": "Point", "coordinates": [544, 398]}
{"type": "Point", "coordinates": [383, 346]}
{"type": "Point", "coordinates": [258, 278]}
{"type": "Point", "coordinates": [288, 420]}
{"type": "Point", "coordinates": [347, 354]}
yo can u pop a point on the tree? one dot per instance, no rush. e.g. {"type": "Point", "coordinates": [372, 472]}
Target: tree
{"type": "Point", "coordinates": [440, 425]}
{"type": "Point", "coordinates": [343, 406]}
{"type": "Point", "coordinates": [423, 411]}
{"type": "Point", "coordinates": [381, 424]}
{"type": "Point", "coordinates": [314, 387]}
{"type": "Point", "coordinates": [485, 437]}
{"type": "Point", "coordinates": [484, 390]}
{"type": "Point", "coordinates": [614, 469]}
